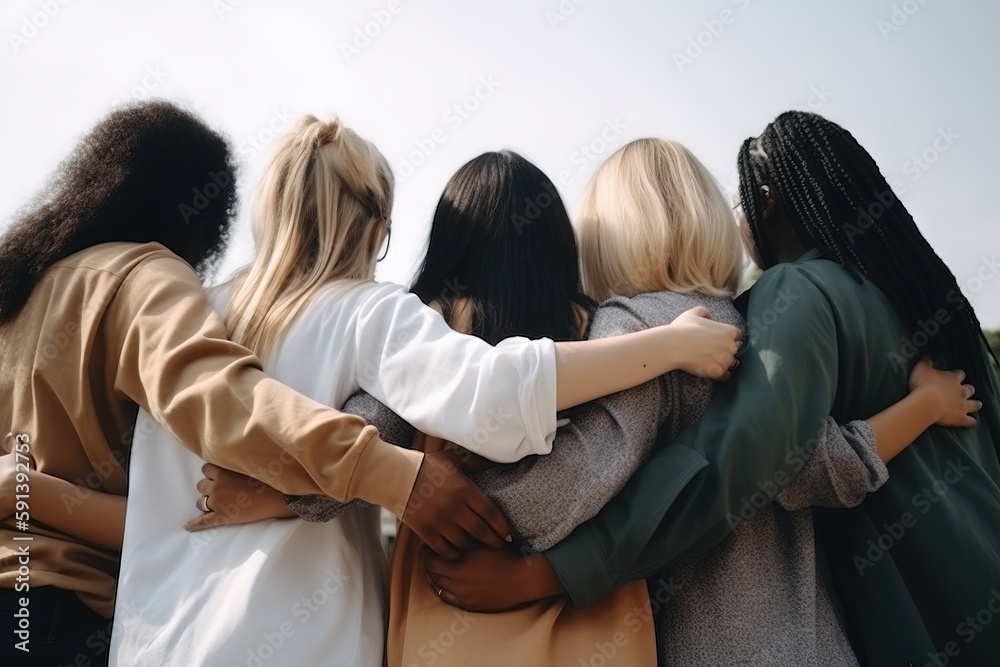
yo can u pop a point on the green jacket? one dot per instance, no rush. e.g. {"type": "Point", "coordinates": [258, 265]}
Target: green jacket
{"type": "Point", "coordinates": [916, 567]}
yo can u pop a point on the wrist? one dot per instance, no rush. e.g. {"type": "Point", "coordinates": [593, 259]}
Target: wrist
{"type": "Point", "coordinates": [670, 347]}
{"type": "Point", "coordinates": [544, 581]}
{"type": "Point", "coordinates": [929, 403]}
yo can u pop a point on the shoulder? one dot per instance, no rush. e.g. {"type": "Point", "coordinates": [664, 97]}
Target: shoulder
{"type": "Point", "coordinates": [621, 315]}
{"type": "Point", "coordinates": [816, 275]}
{"type": "Point", "coordinates": [362, 295]}
{"type": "Point", "coordinates": [802, 299]}
{"type": "Point", "coordinates": [121, 259]}
{"type": "Point", "coordinates": [802, 286]}
{"type": "Point", "coordinates": [367, 306]}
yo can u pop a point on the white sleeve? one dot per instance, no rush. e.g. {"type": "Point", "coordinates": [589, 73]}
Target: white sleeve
{"type": "Point", "coordinates": [499, 402]}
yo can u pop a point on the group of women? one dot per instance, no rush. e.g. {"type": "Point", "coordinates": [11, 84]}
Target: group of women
{"type": "Point", "coordinates": [660, 517]}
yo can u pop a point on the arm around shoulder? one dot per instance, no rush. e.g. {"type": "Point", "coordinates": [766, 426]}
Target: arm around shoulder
{"type": "Point", "coordinates": [175, 360]}
{"type": "Point", "coordinates": [754, 431]}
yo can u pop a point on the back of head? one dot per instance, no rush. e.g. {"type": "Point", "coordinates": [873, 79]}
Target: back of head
{"type": "Point", "coordinates": [502, 242]}
{"type": "Point", "coordinates": [324, 194]}
{"type": "Point", "coordinates": [838, 201]}
{"type": "Point", "coordinates": [147, 172]}
{"type": "Point", "coordinates": [652, 218]}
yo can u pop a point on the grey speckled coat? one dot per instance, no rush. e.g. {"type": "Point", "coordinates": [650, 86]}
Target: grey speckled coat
{"type": "Point", "coordinates": [756, 599]}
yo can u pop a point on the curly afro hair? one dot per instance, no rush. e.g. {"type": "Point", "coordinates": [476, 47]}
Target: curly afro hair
{"type": "Point", "coordinates": [148, 172]}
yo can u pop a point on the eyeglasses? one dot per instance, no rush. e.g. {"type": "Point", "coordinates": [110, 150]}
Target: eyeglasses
{"type": "Point", "coordinates": [385, 243]}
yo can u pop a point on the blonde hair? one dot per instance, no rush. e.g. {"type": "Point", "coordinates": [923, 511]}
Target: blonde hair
{"type": "Point", "coordinates": [323, 192]}
{"type": "Point", "coordinates": [653, 219]}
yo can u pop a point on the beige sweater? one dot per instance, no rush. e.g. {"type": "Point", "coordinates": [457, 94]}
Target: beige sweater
{"type": "Point", "coordinates": [120, 325]}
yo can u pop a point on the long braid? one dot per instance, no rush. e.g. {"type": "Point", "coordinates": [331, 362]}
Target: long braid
{"type": "Point", "coordinates": [839, 201]}
{"type": "Point", "coordinates": [750, 199]}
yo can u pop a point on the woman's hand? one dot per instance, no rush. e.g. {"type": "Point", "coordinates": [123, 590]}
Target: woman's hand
{"type": "Point", "coordinates": [449, 513]}
{"type": "Point", "coordinates": [705, 348]}
{"type": "Point", "coordinates": [230, 498]}
{"type": "Point", "coordinates": [491, 579]}
{"type": "Point", "coordinates": [15, 463]}
{"type": "Point", "coordinates": [949, 397]}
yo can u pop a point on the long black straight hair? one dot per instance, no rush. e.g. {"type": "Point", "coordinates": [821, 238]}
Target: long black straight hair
{"type": "Point", "coordinates": [149, 171]}
{"type": "Point", "coordinates": [837, 200]}
{"type": "Point", "coordinates": [502, 239]}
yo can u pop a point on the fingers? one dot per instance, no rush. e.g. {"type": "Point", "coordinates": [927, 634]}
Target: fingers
{"type": "Point", "coordinates": [971, 408]}
{"type": "Point", "coordinates": [205, 521]}
{"type": "Point", "coordinates": [452, 600]}
{"type": "Point", "coordinates": [478, 530]}
{"type": "Point", "coordinates": [204, 486]}
{"type": "Point", "coordinates": [442, 546]}
{"type": "Point", "coordinates": [698, 311]}
{"type": "Point", "coordinates": [970, 391]}
{"type": "Point", "coordinates": [496, 522]}
{"type": "Point", "coordinates": [210, 470]}
{"type": "Point", "coordinates": [438, 569]}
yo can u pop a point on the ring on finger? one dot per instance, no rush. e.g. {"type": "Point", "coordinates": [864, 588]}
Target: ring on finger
{"type": "Point", "coordinates": [202, 505]}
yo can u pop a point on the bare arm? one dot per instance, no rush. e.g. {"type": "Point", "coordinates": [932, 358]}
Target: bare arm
{"type": "Point", "coordinates": [936, 398]}
{"type": "Point", "coordinates": [590, 369]}
{"type": "Point", "coordinates": [89, 515]}
{"type": "Point", "coordinates": [92, 516]}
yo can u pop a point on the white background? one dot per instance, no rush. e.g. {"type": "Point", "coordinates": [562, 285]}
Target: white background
{"type": "Point", "coordinates": [898, 74]}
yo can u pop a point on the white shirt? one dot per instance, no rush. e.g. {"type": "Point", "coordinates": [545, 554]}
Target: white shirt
{"type": "Point", "coordinates": [287, 592]}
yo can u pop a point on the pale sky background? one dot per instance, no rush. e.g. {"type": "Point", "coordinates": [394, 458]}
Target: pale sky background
{"type": "Point", "coordinates": [900, 74]}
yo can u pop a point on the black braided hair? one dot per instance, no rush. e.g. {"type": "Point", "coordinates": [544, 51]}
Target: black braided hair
{"type": "Point", "coordinates": [837, 200]}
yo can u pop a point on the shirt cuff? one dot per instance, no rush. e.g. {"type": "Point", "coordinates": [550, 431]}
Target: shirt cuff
{"type": "Point", "coordinates": [385, 475]}
{"type": "Point", "coordinates": [580, 566]}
